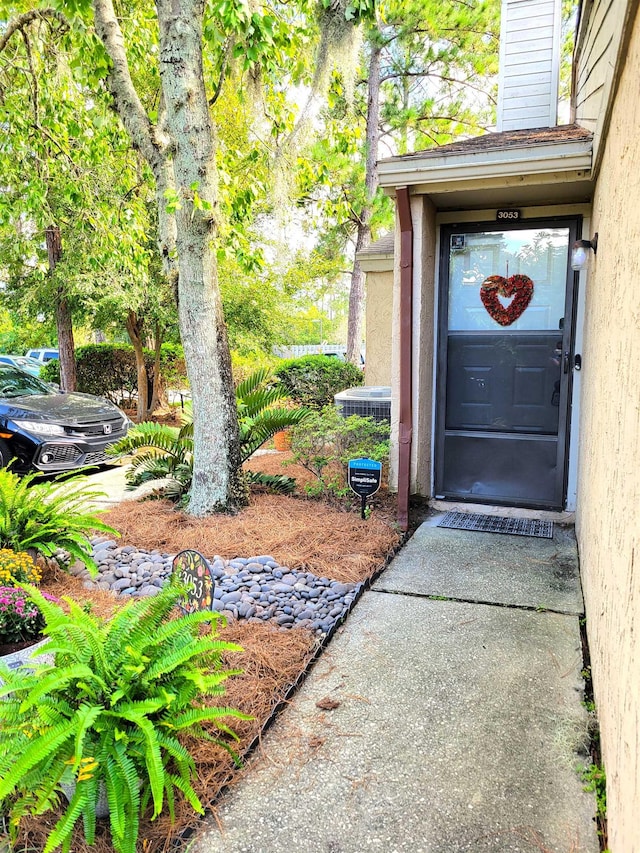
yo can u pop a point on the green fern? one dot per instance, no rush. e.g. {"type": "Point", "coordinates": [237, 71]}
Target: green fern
{"type": "Point", "coordinates": [106, 715]}
{"type": "Point", "coordinates": [49, 515]}
{"type": "Point", "coordinates": [163, 452]}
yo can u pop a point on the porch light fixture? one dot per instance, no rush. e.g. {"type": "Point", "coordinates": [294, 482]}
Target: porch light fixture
{"type": "Point", "coordinates": [579, 256]}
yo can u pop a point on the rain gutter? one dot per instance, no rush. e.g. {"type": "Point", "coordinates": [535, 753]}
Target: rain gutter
{"type": "Point", "coordinates": [405, 426]}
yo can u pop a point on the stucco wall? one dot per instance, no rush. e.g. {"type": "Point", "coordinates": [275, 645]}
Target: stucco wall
{"type": "Point", "coordinates": [608, 511]}
{"type": "Point", "coordinates": [379, 285]}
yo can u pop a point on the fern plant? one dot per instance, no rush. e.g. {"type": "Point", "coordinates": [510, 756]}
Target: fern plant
{"type": "Point", "coordinates": [159, 451]}
{"type": "Point", "coordinates": [48, 515]}
{"type": "Point", "coordinates": [107, 715]}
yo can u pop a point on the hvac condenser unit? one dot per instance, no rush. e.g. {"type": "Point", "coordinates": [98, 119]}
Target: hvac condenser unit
{"type": "Point", "coordinates": [368, 401]}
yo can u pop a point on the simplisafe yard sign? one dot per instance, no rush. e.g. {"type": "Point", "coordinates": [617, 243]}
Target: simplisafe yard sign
{"type": "Point", "coordinates": [363, 477]}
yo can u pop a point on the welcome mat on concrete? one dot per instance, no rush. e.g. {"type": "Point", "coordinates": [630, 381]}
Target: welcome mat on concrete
{"type": "Point", "coordinates": [497, 524]}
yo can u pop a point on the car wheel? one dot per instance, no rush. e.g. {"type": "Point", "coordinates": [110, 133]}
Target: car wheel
{"type": "Point", "coordinates": [5, 455]}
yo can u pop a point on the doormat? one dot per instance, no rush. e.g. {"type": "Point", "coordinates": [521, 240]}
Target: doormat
{"type": "Point", "coordinates": [497, 524]}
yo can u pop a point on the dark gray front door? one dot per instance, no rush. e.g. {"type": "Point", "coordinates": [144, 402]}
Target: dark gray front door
{"type": "Point", "coordinates": [504, 372]}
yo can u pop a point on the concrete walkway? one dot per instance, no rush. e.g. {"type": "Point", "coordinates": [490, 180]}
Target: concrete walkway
{"type": "Point", "coordinates": [458, 723]}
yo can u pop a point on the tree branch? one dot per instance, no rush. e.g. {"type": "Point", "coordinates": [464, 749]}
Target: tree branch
{"type": "Point", "coordinates": [21, 21]}
{"type": "Point", "coordinates": [128, 103]}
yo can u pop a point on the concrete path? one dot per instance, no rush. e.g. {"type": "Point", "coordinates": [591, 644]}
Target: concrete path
{"type": "Point", "coordinates": [458, 723]}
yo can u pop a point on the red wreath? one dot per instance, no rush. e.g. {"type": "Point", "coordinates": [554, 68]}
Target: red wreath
{"type": "Point", "coordinates": [518, 286]}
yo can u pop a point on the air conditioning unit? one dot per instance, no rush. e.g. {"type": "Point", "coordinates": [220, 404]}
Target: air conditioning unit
{"type": "Point", "coordinates": [368, 401]}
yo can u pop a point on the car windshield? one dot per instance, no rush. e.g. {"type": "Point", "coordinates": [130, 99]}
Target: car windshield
{"type": "Point", "coordinates": [17, 383]}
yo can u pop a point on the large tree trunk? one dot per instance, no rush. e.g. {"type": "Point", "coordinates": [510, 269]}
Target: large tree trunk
{"type": "Point", "coordinates": [64, 322]}
{"type": "Point", "coordinates": [134, 330]}
{"type": "Point", "coordinates": [182, 157]}
{"type": "Point", "coordinates": [216, 482]}
{"type": "Point", "coordinates": [363, 239]}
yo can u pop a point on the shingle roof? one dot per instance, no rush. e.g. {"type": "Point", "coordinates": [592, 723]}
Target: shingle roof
{"type": "Point", "coordinates": [505, 139]}
{"type": "Point", "coordinates": [383, 246]}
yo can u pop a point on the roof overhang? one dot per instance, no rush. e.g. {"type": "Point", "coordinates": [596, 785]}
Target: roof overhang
{"type": "Point", "coordinates": [509, 174]}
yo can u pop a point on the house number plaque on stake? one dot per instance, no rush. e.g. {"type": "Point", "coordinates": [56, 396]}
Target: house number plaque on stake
{"type": "Point", "coordinates": [363, 477]}
{"type": "Point", "coordinates": [193, 570]}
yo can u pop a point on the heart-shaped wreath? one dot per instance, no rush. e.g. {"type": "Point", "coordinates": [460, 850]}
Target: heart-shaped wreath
{"type": "Point", "coordinates": [518, 286]}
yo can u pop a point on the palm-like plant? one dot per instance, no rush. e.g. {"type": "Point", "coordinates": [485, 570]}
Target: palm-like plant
{"type": "Point", "coordinates": [106, 716]}
{"type": "Point", "coordinates": [49, 515]}
{"type": "Point", "coordinates": [159, 451]}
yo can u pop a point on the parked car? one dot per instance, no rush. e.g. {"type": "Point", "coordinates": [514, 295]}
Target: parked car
{"type": "Point", "coordinates": [46, 430]}
{"type": "Point", "coordinates": [43, 355]}
{"type": "Point", "coordinates": [31, 365]}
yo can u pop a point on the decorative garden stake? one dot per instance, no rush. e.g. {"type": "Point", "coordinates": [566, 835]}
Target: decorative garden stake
{"type": "Point", "coordinates": [363, 477]}
{"type": "Point", "coordinates": [193, 570]}
{"type": "Point", "coordinates": [518, 286]}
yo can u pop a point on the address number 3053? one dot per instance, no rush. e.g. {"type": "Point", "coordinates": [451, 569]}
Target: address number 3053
{"type": "Point", "coordinates": [507, 214]}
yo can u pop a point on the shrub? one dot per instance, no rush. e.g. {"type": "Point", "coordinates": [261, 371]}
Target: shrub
{"type": "Point", "coordinates": [325, 442]}
{"type": "Point", "coordinates": [314, 379]}
{"type": "Point", "coordinates": [160, 451]}
{"type": "Point", "coordinates": [109, 370]}
{"type": "Point", "coordinates": [49, 516]}
{"type": "Point", "coordinates": [107, 715]}
{"type": "Point", "coordinates": [17, 567]}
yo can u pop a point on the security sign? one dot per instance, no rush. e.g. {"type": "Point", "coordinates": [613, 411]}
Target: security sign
{"type": "Point", "coordinates": [363, 476]}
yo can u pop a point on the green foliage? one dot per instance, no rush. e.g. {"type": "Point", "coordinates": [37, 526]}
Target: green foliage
{"type": "Point", "coordinates": [107, 715]}
{"type": "Point", "coordinates": [325, 442]}
{"type": "Point", "coordinates": [159, 451]}
{"type": "Point", "coordinates": [109, 370]}
{"type": "Point", "coordinates": [48, 515]}
{"type": "Point", "coordinates": [595, 780]}
{"type": "Point", "coordinates": [313, 380]}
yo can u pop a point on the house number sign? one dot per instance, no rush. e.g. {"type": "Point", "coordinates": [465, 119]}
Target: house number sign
{"type": "Point", "coordinates": [193, 570]}
{"type": "Point", "coordinates": [507, 215]}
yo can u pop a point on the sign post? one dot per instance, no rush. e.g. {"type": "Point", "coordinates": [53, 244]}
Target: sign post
{"type": "Point", "coordinates": [363, 477]}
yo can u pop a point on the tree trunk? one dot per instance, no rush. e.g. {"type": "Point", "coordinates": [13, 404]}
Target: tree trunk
{"type": "Point", "coordinates": [363, 239]}
{"type": "Point", "coordinates": [64, 321]}
{"type": "Point", "coordinates": [134, 330]}
{"type": "Point", "coordinates": [181, 155]}
{"type": "Point", "coordinates": [156, 394]}
{"type": "Point", "coordinates": [216, 483]}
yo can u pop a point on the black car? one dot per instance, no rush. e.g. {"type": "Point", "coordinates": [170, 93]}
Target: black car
{"type": "Point", "coordinates": [42, 429]}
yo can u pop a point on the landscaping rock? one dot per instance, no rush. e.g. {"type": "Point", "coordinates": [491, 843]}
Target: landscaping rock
{"type": "Point", "coordinates": [254, 588]}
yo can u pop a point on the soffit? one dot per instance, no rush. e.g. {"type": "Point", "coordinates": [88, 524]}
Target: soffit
{"type": "Point", "coordinates": [545, 165]}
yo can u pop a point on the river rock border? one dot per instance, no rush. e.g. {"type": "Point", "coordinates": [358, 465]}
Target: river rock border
{"type": "Point", "coordinates": [253, 588]}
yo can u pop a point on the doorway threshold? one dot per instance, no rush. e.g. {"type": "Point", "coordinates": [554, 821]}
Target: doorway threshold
{"type": "Point", "coordinates": [560, 517]}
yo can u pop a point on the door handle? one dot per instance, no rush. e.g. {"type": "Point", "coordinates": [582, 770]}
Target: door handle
{"type": "Point", "coordinates": [566, 361]}
{"type": "Point", "coordinates": [577, 362]}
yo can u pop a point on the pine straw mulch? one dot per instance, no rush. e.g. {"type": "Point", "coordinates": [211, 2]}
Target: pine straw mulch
{"type": "Point", "coordinates": [300, 533]}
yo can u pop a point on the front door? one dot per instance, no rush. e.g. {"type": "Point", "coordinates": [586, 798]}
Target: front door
{"type": "Point", "coordinates": [504, 365]}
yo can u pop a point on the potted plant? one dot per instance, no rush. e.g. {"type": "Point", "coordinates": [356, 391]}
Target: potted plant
{"type": "Point", "coordinates": [21, 624]}
{"type": "Point", "coordinates": [108, 715]}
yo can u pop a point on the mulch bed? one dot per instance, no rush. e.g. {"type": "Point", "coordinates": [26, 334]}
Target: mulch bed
{"type": "Point", "coordinates": [300, 533]}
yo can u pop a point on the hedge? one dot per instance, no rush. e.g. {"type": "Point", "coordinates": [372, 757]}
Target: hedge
{"type": "Point", "coordinates": [109, 370]}
{"type": "Point", "coordinates": [312, 380]}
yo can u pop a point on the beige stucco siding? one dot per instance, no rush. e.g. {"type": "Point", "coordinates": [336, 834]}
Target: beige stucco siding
{"type": "Point", "coordinates": [379, 285]}
{"type": "Point", "coordinates": [608, 512]}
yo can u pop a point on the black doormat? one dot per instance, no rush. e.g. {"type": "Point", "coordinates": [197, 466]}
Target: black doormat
{"type": "Point", "coordinates": [497, 524]}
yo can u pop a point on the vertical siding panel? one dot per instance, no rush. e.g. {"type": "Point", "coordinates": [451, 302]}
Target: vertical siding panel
{"type": "Point", "coordinates": [529, 63]}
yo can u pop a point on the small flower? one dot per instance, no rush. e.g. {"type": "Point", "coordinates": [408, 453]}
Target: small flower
{"type": "Point", "coordinates": [20, 618]}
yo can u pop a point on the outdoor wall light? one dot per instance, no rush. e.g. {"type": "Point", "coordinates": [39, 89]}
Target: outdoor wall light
{"type": "Point", "coordinates": [579, 254]}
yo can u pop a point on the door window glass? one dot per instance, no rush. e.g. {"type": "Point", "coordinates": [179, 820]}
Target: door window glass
{"type": "Point", "coordinates": [541, 254]}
